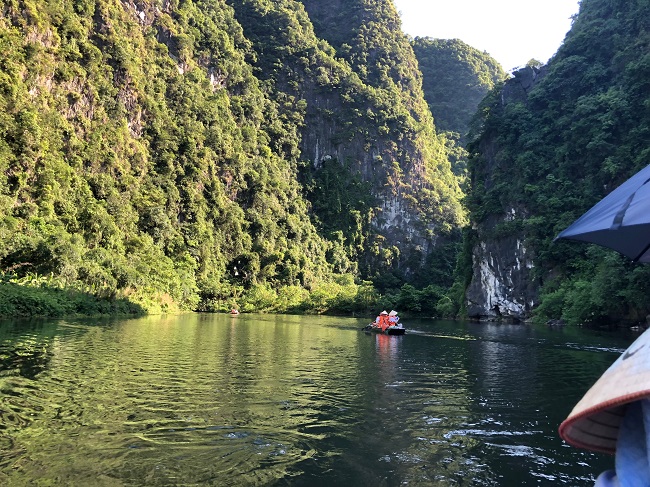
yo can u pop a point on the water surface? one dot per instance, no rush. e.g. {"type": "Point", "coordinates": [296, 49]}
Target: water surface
{"type": "Point", "coordinates": [254, 400]}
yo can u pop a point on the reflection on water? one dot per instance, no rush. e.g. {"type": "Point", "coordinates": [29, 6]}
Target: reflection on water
{"type": "Point", "coordinates": [284, 400]}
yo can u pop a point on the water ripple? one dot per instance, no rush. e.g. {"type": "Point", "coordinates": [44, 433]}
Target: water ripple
{"type": "Point", "coordinates": [269, 400]}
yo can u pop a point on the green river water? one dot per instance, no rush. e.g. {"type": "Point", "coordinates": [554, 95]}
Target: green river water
{"type": "Point", "coordinates": [258, 400]}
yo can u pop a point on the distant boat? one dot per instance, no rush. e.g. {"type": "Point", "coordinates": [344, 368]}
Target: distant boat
{"type": "Point", "coordinates": [391, 330]}
{"type": "Point", "coordinates": [234, 312]}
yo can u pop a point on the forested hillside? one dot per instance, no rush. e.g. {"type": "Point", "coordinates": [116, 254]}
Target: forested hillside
{"type": "Point", "coordinates": [282, 156]}
{"type": "Point", "coordinates": [141, 157]}
{"type": "Point", "coordinates": [377, 175]}
{"type": "Point", "coordinates": [456, 77]}
{"type": "Point", "coordinates": [554, 141]}
{"type": "Point", "coordinates": [201, 155]}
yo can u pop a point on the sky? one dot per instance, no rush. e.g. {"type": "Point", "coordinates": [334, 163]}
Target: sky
{"type": "Point", "coordinates": [511, 31]}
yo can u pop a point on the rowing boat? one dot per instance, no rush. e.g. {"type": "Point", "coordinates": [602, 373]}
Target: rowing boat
{"type": "Point", "coordinates": [391, 330]}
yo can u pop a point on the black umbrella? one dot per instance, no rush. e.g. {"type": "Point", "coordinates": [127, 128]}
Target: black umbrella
{"type": "Point", "coordinates": [620, 221]}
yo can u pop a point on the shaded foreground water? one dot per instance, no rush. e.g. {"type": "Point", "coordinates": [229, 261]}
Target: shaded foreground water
{"type": "Point", "coordinates": [286, 400]}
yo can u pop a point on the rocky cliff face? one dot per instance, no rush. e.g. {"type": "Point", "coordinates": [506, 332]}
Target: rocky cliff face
{"type": "Point", "coordinates": [356, 75]}
{"type": "Point", "coordinates": [503, 285]}
{"type": "Point", "coordinates": [393, 146]}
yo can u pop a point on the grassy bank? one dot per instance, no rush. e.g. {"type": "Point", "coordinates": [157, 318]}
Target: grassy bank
{"type": "Point", "coordinates": [27, 301]}
{"type": "Point", "coordinates": [43, 296]}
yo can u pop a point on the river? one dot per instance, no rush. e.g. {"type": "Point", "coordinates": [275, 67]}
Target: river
{"type": "Point", "coordinates": [257, 400]}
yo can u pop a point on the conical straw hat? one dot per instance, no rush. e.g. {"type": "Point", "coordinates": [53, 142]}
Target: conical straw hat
{"type": "Point", "coordinates": [594, 422]}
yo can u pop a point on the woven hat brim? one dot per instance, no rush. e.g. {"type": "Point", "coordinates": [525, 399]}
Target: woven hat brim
{"type": "Point", "coordinates": [595, 420]}
{"type": "Point", "coordinates": [595, 431]}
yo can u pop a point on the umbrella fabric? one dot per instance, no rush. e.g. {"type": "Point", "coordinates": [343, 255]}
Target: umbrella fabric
{"type": "Point", "coordinates": [620, 221]}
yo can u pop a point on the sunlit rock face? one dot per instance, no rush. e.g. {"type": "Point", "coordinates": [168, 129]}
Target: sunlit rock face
{"type": "Point", "coordinates": [394, 149]}
{"type": "Point", "coordinates": [403, 229]}
{"type": "Point", "coordinates": [502, 286]}
{"type": "Point", "coordinates": [400, 224]}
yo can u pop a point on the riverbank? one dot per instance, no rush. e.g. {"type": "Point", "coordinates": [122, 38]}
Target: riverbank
{"type": "Point", "coordinates": [47, 297]}
{"type": "Point", "coordinates": [26, 301]}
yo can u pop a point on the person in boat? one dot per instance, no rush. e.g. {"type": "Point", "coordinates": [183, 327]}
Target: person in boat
{"type": "Point", "coordinates": [393, 319]}
{"type": "Point", "coordinates": [382, 320]}
{"type": "Point", "coordinates": [234, 311]}
{"type": "Point", "coordinates": [614, 417]}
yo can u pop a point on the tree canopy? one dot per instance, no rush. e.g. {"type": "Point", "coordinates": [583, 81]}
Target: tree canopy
{"type": "Point", "coordinates": [174, 154]}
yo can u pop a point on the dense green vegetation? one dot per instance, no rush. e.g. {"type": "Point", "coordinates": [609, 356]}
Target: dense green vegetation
{"type": "Point", "coordinates": [141, 158]}
{"type": "Point", "coordinates": [282, 156]}
{"type": "Point", "coordinates": [455, 78]}
{"type": "Point", "coordinates": [581, 131]}
{"type": "Point", "coordinates": [41, 296]}
{"type": "Point", "coordinates": [159, 153]}
{"type": "Point", "coordinates": [364, 104]}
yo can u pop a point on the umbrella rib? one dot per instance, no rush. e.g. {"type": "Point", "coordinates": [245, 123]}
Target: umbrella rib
{"type": "Point", "coordinates": [618, 219]}
{"type": "Point", "coordinates": [645, 249]}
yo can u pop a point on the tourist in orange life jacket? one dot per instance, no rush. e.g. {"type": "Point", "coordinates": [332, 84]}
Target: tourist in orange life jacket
{"type": "Point", "coordinates": [382, 320]}
{"type": "Point", "coordinates": [393, 319]}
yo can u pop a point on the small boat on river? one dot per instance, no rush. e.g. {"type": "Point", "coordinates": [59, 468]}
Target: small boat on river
{"type": "Point", "coordinates": [391, 330]}
{"type": "Point", "coordinates": [386, 324]}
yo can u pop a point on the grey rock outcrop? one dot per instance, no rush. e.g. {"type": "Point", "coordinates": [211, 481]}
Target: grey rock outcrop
{"type": "Point", "coordinates": [503, 285]}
